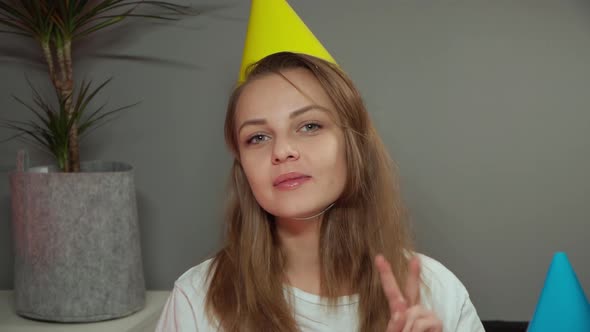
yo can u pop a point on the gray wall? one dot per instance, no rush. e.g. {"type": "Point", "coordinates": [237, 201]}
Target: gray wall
{"type": "Point", "coordinates": [482, 103]}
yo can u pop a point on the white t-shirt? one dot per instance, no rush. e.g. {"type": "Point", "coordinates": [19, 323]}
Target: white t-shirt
{"type": "Point", "coordinates": [185, 308]}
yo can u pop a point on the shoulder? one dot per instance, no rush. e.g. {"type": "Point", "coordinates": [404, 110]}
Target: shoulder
{"type": "Point", "coordinates": [443, 293]}
{"type": "Point", "coordinates": [185, 308]}
{"type": "Point", "coordinates": [439, 278]}
{"type": "Point", "coordinates": [195, 280]}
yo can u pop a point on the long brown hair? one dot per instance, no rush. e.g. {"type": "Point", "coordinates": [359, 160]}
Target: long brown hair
{"type": "Point", "coordinates": [246, 275]}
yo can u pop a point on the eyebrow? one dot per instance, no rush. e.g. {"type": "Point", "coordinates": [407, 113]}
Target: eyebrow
{"type": "Point", "coordinates": [293, 114]}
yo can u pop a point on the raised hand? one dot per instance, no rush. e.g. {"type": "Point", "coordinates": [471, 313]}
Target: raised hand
{"type": "Point", "coordinates": [406, 312]}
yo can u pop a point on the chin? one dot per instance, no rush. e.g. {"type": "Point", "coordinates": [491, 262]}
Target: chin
{"type": "Point", "coordinates": [296, 211]}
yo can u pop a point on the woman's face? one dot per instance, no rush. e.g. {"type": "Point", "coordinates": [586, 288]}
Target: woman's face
{"type": "Point", "coordinates": [290, 146]}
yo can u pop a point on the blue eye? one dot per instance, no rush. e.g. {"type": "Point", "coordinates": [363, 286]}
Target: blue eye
{"type": "Point", "coordinates": [256, 139]}
{"type": "Point", "coordinates": [309, 127]}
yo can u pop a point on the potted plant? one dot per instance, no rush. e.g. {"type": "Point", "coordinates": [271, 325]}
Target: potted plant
{"type": "Point", "coordinates": [76, 237]}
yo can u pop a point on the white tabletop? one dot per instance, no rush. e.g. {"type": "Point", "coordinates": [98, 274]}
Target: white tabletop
{"type": "Point", "coordinates": [143, 320]}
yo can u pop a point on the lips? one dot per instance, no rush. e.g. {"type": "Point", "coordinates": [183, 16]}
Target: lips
{"type": "Point", "coordinates": [292, 176]}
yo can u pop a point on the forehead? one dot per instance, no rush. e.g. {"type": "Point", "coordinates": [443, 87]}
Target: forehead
{"type": "Point", "coordinates": [272, 95]}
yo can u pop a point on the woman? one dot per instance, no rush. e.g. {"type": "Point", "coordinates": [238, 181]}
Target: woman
{"type": "Point", "coordinates": [314, 219]}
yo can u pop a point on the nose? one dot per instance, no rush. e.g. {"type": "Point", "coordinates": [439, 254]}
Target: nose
{"type": "Point", "coordinates": [284, 150]}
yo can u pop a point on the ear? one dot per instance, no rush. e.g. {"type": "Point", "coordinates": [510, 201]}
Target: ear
{"type": "Point", "coordinates": [234, 151]}
{"type": "Point", "coordinates": [236, 156]}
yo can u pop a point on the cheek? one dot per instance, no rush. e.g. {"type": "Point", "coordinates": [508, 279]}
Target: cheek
{"type": "Point", "coordinates": [331, 155]}
{"type": "Point", "coordinates": [257, 173]}
{"type": "Point", "coordinates": [340, 167]}
{"type": "Point", "coordinates": [341, 164]}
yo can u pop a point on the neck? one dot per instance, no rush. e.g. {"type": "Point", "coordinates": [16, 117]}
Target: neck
{"type": "Point", "coordinates": [299, 241]}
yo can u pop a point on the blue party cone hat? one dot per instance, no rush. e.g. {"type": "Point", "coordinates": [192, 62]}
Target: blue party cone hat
{"type": "Point", "coordinates": [562, 306]}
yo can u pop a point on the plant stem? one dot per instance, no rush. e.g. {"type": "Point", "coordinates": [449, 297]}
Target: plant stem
{"type": "Point", "coordinates": [67, 68]}
{"type": "Point", "coordinates": [49, 59]}
{"type": "Point", "coordinates": [66, 91]}
{"type": "Point", "coordinates": [61, 62]}
{"type": "Point", "coordinates": [68, 59]}
{"type": "Point", "coordinates": [58, 85]}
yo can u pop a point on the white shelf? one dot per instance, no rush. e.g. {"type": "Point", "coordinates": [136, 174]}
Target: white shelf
{"type": "Point", "coordinates": [143, 320]}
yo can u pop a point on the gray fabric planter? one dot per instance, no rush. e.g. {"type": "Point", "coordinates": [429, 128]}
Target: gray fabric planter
{"type": "Point", "coordinates": [76, 243]}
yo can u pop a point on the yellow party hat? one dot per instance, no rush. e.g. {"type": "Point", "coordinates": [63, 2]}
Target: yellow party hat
{"type": "Point", "coordinates": [275, 27]}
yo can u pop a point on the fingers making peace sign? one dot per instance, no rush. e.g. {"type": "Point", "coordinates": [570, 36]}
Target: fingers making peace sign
{"type": "Point", "coordinates": [406, 312]}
